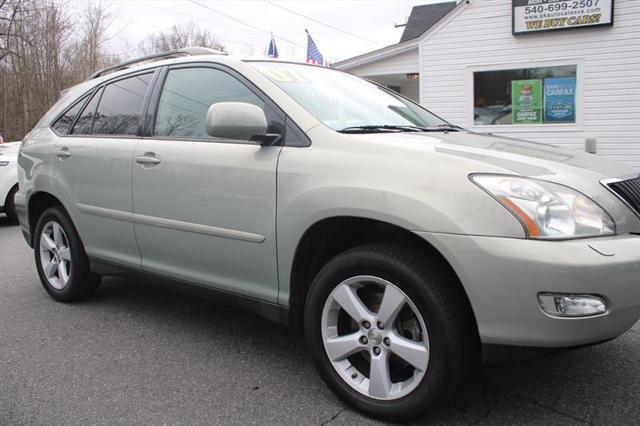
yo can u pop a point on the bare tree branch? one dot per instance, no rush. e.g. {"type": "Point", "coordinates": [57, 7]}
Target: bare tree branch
{"type": "Point", "coordinates": [180, 36]}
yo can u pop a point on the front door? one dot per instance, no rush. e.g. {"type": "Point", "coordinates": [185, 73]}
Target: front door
{"type": "Point", "coordinates": [205, 208]}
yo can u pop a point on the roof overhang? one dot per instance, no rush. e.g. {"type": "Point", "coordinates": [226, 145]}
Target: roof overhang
{"type": "Point", "coordinates": [376, 55]}
{"type": "Point", "coordinates": [396, 49]}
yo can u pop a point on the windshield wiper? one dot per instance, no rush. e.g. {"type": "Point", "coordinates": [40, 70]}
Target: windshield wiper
{"type": "Point", "coordinates": [439, 128]}
{"type": "Point", "coordinates": [400, 128]}
{"type": "Point", "coordinates": [378, 128]}
{"type": "Point", "coordinates": [450, 127]}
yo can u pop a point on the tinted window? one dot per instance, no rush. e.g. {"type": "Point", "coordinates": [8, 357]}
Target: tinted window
{"type": "Point", "coordinates": [84, 122]}
{"type": "Point", "coordinates": [64, 123]}
{"type": "Point", "coordinates": [120, 106]}
{"type": "Point", "coordinates": [187, 95]}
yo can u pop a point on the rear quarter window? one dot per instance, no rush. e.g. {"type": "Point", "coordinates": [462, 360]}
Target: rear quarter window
{"type": "Point", "coordinates": [62, 125]}
{"type": "Point", "coordinates": [85, 121]}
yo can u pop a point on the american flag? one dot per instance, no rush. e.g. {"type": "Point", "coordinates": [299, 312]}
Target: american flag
{"type": "Point", "coordinates": [273, 50]}
{"type": "Point", "coordinates": [313, 54]}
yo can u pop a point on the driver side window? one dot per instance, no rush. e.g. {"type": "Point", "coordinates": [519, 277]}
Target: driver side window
{"type": "Point", "coordinates": [187, 95]}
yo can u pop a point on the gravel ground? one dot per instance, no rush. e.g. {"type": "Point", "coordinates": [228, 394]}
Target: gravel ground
{"type": "Point", "coordinates": [140, 354]}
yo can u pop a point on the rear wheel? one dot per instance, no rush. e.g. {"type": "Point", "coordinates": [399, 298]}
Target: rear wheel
{"type": "Point", "coordinates": [62, 264]}
{"type": "Point", "coordinates": [387, 331]}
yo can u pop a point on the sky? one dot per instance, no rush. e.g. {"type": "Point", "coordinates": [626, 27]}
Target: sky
{"type": "Point", "coordinates": [340, 29]}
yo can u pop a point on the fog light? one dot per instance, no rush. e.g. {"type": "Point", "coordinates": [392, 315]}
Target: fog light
{"type": "Point", "coordinates": [571, 305]}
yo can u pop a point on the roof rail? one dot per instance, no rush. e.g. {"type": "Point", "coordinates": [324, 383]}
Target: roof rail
{"type": "Point", "coordinates": [190, 51]}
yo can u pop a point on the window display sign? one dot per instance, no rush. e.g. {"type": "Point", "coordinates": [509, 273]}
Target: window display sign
{"type": "Point", "coordinates": [531, 16]}
{"type": "Point", "coordinates": [526, 101]}
{"type": "Point", "coordinates": [537, 95]}
{"type": "Point", "coordinates": [560, 100]}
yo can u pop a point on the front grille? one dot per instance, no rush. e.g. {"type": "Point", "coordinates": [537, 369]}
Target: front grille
{"type": "Point", "coordinates": [628, 190]}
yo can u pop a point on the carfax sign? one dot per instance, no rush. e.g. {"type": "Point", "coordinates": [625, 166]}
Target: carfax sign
{"type": "Point", "coordinates": [530, 16]}
{"type": "Point", "coordinates": [526, 101]}
{"type": "Point", "coordinates": [560, 100]}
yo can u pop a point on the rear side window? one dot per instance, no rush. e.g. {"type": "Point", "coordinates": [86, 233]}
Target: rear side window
{"type": "Point", "coordinates": [64, 123]}
{"type": "Point", "coordinates": [120, 106]}
{"type": "Point", "coordinates": [84, 122]}
{"type": "Point", "coordinates": [187, 95]}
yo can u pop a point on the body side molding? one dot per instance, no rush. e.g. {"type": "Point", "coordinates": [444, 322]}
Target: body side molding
{"type": "Point", "coordinates": [172, 224]}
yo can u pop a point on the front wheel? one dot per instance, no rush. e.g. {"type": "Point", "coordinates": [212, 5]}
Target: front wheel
{"type": "Point", "coordinates": [388, 331]}
{"type": "Point", "coordinates": [62, 264]}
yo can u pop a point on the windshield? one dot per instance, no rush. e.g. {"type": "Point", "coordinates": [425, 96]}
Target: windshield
{"type": "Point", "coordinates": [343, 101]}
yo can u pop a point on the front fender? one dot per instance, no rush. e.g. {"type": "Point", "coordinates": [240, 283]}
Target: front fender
{"type": "Point", "coordinates": [422, 194]}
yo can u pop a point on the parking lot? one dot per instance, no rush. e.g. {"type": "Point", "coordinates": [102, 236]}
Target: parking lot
{"type": "Point", "coordinates": [140, 354]}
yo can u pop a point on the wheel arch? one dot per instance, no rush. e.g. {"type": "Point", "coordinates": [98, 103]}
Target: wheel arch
{"type": "Point", "coordinates": [335, 235]}
{"type": "Point", "coordinates": [11, 189]}
{"type": "Point", "coordinates": [38, 203]}
{"type": "Point", "coordinates": [6, 199]}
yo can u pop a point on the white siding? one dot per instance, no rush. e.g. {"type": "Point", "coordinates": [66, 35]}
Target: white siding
{"type": "Point", "coordinates": [401, 63]}
{"type": "Point", "coordinates": [608, 58]}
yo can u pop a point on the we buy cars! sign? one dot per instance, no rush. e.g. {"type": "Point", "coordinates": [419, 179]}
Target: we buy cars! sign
{"type": "Point", "coordinates": [530, 16]}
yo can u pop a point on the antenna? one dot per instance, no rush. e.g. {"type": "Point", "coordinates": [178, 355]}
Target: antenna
{"type": "Point", "coordinates": [401, 25]}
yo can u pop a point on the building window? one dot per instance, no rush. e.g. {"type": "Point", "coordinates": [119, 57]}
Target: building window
{"type": "Point", "coordinates": [544, 95]}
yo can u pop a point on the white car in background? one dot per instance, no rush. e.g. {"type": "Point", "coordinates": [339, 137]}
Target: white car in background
{"type": "Point", "coordinates": [8, 178]}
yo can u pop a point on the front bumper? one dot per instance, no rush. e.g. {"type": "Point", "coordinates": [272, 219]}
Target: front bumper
{"type": "Point", "coordinates": [503, 276]}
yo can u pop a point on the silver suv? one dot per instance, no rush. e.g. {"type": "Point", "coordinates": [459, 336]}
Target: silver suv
{"type": "Point", "coordinates": [405, 247]}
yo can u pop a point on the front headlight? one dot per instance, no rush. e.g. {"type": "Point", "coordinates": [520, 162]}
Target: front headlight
{"type": "Point", "coordinates": [547, 210]}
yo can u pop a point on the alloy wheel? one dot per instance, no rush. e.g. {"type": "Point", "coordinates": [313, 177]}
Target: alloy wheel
{"type": "Point", "coordinates": [55, 255]}
{"type": "Point", "coordinates": [375, 337]}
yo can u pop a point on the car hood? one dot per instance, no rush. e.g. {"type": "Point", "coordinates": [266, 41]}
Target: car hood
{"type": "Point", "coordinates": [515, 156]}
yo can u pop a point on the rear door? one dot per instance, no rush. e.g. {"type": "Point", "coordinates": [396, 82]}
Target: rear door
{"type": "Point", "coordinates": [92, 167]}
{"type": "Point", "coordinates": [205, 208]}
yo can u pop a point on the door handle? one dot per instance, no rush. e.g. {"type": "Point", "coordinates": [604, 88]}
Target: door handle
{"type": "Point", "coordinates": [148, 158]}
{"type": "Point", "coordinates": [63, 153]}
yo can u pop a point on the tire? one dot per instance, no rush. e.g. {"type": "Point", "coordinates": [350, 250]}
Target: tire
{"type": "Point", "coordinates": [70, 280]}
{"type": "Point", "coordinates": [429, 298]}
{"type": "Point", "coordinates": [10, 205]}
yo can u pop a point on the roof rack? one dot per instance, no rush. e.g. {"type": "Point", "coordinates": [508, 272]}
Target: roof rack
{"type": "Point", "coordinates": [189, 51]}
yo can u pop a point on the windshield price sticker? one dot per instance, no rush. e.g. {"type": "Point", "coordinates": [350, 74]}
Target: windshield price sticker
{"type": "Point", "coordinates": [283, 74]}
{"type": "Point", "coordinates": [547, 15]}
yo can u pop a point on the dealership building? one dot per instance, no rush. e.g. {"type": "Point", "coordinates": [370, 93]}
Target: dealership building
{"type": "Point", "coordinates": [564, 72]}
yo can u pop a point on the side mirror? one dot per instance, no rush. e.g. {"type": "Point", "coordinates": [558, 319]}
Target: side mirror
{"type": "Point", "coordinates": [236, 120]}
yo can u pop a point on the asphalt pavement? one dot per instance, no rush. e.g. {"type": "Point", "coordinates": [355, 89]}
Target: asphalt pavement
{"type": "Point", "coordinates": [139, 354]}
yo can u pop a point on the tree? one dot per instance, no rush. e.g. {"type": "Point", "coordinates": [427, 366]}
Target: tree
{"type": "Point", "coordinates": [180, 36]}
{"type": "Point", "coordinates": [8, 15]}
{"type": "Point", "coordinates": [47, 46]}
{"type": "Point", "coordinates": [43, 49]}
{"type": "Point", "coordinates": [96, 22]}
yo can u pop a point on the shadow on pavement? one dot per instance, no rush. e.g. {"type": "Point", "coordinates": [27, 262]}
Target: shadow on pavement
{"type": "Point", "coordinates": [5, 223]}
{"type": "Point", "coordinates": [582, 386]}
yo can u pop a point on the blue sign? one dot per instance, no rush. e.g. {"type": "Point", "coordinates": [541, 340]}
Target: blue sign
{"type": "Point", "coordinates": [560, 100]}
